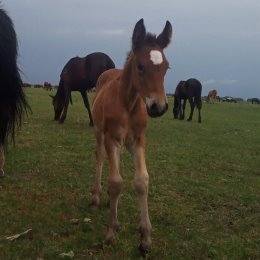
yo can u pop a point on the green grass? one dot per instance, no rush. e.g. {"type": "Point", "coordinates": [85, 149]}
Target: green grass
{"type": "Point", "coordinates": [203, 198]}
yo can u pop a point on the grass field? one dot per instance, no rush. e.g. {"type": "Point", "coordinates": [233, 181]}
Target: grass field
{"type": "Point", "coordinates": [204, 187]}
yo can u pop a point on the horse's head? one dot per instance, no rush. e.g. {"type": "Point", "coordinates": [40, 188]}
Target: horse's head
{"type": "Point", "coordinates": [150, 66]}
{"type": "Point", "coordinates": [58, 106]}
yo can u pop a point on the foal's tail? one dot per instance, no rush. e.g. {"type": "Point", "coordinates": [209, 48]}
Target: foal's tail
{"type": "Point", "coordinates": [198, 103]}
{"type": "Point", "coordinates": [198, 100]}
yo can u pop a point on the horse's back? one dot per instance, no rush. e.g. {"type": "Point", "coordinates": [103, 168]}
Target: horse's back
{"type": "Point", "coordinates": [82, 72]}
{"type": "Point", "coordinates": [195, 87]}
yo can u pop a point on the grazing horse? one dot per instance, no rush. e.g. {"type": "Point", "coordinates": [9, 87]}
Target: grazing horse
{"type": "Point", "coordinates": [191, 90]}
{"type": "Point", "coordinates": [124, 99]}
{"type": "Point", "coordinates": [47, 86]}
{"type": "Point", "coordinates": [79, 74]}
{"type": "Point", "coordinates": [255, 101]}
{"type": "Point", "coordinates": [212, 96]}
{"type": "Point", "coordinates": [12, 99]}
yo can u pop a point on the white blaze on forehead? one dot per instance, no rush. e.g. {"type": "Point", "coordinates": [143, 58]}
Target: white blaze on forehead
{"type": "Point", "coordinates": [156, 57]}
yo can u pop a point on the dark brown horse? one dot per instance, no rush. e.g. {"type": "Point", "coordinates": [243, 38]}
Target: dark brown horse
{"type": "Point", "coordinates": [47, 86]}
{"type": "Point", "coordinates": [13, 103]}
{"type": "Point", "coordinates": [255, 101]}
{"type": "Point", "coordinates": [79, 74]}
{"type": "Point", "coordinates": [124, 99]}
{"type": "Point", "coordinates": [191, 90]}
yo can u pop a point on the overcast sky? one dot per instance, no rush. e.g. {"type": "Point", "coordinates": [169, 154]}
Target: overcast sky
{"type": "Point", "coordinates": [217, 42]}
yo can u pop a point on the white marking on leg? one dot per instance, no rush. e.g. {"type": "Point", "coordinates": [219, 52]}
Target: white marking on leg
{"type": "Point", "coordinates": [156, 57]}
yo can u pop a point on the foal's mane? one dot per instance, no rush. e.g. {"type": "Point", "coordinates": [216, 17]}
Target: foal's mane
{"type": "Point", "coordinates": [150, 40]}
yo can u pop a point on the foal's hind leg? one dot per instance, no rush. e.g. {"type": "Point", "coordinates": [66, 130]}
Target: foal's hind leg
{"type": "Point", "coordinates": [141, 182]}
{"type": "Point", "coordinates": [100, 156]}
{"type": "Point", "coordinates": [86, 103]}
{"type": "Point", "coordinates": [2, 161]}
{"type": "Point", "coordinates": [115, 183]}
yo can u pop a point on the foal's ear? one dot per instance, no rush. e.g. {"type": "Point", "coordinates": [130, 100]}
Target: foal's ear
{"type": "Point", "coordinates": [138, 35]}
{"type": "Point", "coordinates": [165, 37]}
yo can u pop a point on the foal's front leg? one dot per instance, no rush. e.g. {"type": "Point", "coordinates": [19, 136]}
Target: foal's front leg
{"type": "Point", "coordinates": [115, 183]}
{"type": "Point", "coordinates": [141, 182]}
{"type": "Point", "coordinates": [2, 161]}
{"type": "Point", "coordinates": [100, 156]}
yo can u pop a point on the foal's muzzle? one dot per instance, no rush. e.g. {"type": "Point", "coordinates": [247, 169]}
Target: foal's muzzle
{"type": "Point", "coordinates": [156, 110]}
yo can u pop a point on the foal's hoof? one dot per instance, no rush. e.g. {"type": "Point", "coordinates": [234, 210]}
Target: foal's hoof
{"type": "Point", "coordinates": [110, 239]}
{"type": "Point", "coordinates": [91, 124]}
{"type": "Point", "coordinates": [2, 173]}
{"type": "Point", "coordinates": [94, 203]}
{"type": "Point", "coordinates": [144, 249]}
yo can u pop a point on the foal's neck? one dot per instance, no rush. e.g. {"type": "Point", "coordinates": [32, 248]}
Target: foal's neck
{"type": "Point", "coordinates": [128, 88]}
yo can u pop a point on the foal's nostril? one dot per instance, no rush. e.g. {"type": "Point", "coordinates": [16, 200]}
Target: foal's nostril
{"type": "Point", "coordinates": [155, 110]}
{"type": "Point", "coordinates": [153, 107]}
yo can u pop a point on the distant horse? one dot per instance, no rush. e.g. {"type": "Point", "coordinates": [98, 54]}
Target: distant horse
{"type": "Point", "coordinates": [47, 86]}
{"type": "Point", "coordinates": [212, 96]}
{"type": "Point", "coordinates": [13, 103]}
{"type": "Point", "coordinates": [255, 101]}
{"type": "Point", "coordinates": [79, 74]}
{"type": "Point", "coordinates": [124, 99]}
{"type": "Point", "coordinates": [191, 90]}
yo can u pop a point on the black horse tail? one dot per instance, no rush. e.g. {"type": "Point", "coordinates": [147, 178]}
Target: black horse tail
{"type": "Point", "coordinates": [13, 103]}
{"type": "Point", "coordinates": [198, 100]}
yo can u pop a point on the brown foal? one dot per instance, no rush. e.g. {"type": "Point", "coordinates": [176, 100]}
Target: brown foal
{"type": "Point", "coordinates": [124, 99]}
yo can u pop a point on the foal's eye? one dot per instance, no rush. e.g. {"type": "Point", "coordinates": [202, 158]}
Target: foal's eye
{"type": "Point", "coordinates": [140, 67]}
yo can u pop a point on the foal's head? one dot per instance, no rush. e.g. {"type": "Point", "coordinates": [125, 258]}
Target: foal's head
{"type": "Point", "coordinates": [150, 66]}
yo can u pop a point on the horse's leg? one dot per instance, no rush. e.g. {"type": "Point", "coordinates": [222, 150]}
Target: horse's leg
{"type": "Point", "coordinates": [199, 105]}
{"type": "Point", "coordinates": [86, 103]}
{"type": "Point", "coordinates": [184, 105]}
{"type": "Point", "coordinates": [66, 104]}
{"type": "Point", "coordinates": [100, 156]}
{"type": "Point", "coordinates": [115, 183]}
{"type": "Point", "coordinates": [2, 161]}
{"type": "Point", "coordinates": [180, 115]}
{"type": "Point", "coordinates": [141, 182]}
{"type": "Point", "coordinates": [192, 105]}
